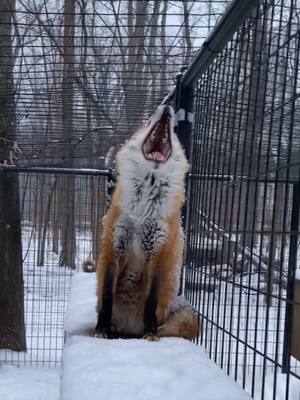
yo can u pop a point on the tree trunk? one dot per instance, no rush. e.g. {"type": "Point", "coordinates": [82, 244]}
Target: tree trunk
{"type": "Point", "coordinates": [68, 238]}
{"type": "Point", "coordinates": [163, 78]}
{"type": "Point", "coordinates": [153, 69]}
{"type": "Point", "coordinates": [132, 80]}
{"type": "Point", "coordinates": [68, 245]}
{"type": "Point", "coordinates": [187, 32]}
{"type": "Point", "coordinates": [12, 326]}
{"type": "Point", "coordinates": [55, 219]}
{"type": "Point", "coordinates": [44, 228]}
{"type": "Point", "coordinates": [85, 79]}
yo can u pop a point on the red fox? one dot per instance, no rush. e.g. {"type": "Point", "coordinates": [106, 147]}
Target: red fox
{"type": "Point", "coordinates": [142, 242]}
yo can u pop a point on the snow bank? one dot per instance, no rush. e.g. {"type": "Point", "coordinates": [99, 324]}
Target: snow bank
{"type": "Point", "coordinates": [29, 383]}
{"type": "Point", "coordinates": [133, 369]}
{"type": "Point", "coordinates": [137, 369]}
{"type": "Point", "coordinates": [81, 316]}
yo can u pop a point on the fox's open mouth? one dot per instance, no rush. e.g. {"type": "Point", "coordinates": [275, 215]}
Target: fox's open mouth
{"type": "Point", "coordinates": [157, 145]}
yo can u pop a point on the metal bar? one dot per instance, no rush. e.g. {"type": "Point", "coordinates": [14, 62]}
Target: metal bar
{"type": "Point", "coordinates": [291, 279]}
{"type": "Point", "coordinates": [57, 170]}
{"type": "Point", "coordinates": [233, 17]}
{"type": "Point", "coordinates": [231, 179]}
{"type": "Point", "coordinates": [184, 109]}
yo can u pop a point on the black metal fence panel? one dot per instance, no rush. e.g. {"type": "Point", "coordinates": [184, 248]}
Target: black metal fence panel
{"type": "Point", "coordinates": [56, 240]}
{"type": "Point", "coordinates": [242, 256]}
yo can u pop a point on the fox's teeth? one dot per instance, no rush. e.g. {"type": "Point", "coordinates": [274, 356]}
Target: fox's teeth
{"type": "Point", "coordinates": [165, 138]}
{"type": "Point", "coordinates": [153, 135]}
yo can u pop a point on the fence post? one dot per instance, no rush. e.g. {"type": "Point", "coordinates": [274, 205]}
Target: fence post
{"type": "Point", "coordinates": [184, 114]}
{"type": "Point", "coordinates": [291, 279]}
{"type": "Point", "coordinates": [184, 99]}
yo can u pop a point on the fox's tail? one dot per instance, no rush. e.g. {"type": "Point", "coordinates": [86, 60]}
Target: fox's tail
{"type": "Point", "coordinates": [181, 322]}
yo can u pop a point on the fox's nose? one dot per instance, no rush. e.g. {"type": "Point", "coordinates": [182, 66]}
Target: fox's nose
{"type": "Point", "coordinates": [166, 111]}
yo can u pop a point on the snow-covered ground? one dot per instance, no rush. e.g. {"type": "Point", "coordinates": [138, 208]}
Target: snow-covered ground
{"type": "Point", "coordinates": [25, 376]}
{"type": "Point", "coordinates": [29, 383]}
{"type": "Point", "coordinates": [46, 291]}
{"type": "Point", "coordinates": [81, 318]}
{"type": "Point", "coordinates": [95, 369]}
{"type": "Point", "coordinates": [171, 368]}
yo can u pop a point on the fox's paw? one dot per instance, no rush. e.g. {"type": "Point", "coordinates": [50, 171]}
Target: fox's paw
{"type": "Point", "coordinates": [102, 334]}
{"type": "Point", "coordinates": [151, 337]}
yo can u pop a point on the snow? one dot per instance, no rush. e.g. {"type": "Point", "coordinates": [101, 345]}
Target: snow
{"type": "Point", "coordinates": [29, 383]}
{"type": "Point", "coordinates": [297, 274]}
{"type": "Point", "coordinates": [108, 364]}
{"type": "Point", "coordinates": [171, 368]}
{"type": "Point", "coordinates": [81, 314]}
{"type": "Point", "coordinates": [46, 291]}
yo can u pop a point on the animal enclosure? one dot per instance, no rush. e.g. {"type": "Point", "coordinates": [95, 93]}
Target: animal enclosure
{"type": "Point", "coordinates": [81, 80]}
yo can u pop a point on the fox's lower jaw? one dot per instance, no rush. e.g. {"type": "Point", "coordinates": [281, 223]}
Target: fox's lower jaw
{"type": "Point", "coordinates": [157, 145]}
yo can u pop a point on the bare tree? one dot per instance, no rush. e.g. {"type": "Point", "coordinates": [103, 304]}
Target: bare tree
{"type": "Point", "coordinates": [68, 245]}
{"type": "Point", "coordinates": [133, 68]}
{"type": "Point", "coordinates": [12, 327]}
{"type": "Point", "coordinates": [163, 74]}
{"type": "Point", "coordinates": [187, 32]}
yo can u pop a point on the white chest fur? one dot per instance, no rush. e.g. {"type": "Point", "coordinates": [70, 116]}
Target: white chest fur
{"type": "Point", "coordinates": [148, 196]}
{"type": "Point", "coordinates": [149, 192]}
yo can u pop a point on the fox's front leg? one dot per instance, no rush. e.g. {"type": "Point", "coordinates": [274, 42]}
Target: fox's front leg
{"type": "Point", "coordinates": [151, 302]}
{"type": "Point", "coordinates": [106, 288]}
{"type": "Point", "coordinates": [153, 235]}
{"type": "Point", "coordinates": [115, 245]}
{"type": "Point", "coordinates": [164, 249]}
{"type": "Point", "coordinates": [107, 275]}
{"type": "Point", "coordinates": [122, 237]}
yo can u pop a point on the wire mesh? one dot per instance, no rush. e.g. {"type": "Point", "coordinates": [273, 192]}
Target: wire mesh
{"type": "Point", "coordinates": [46, 278]}
{"type": "Point", "coordinates": [243, 222]}
{"type": "Point", "coordinates": [86, 73]}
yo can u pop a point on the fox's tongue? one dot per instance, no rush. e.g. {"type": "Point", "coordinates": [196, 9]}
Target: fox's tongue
{"type": "Point", "coordinates": [157, 156]}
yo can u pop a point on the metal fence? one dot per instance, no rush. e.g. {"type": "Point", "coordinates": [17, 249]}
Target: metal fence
{"type": "Point", "coordinates": [242, 216]}
{"type": "Point", "coordinates": [51, 254]}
